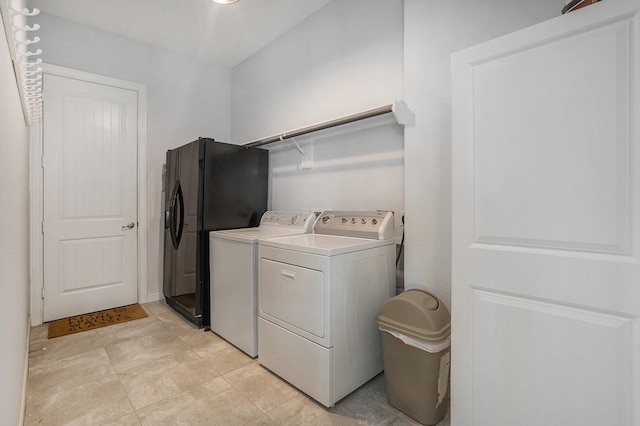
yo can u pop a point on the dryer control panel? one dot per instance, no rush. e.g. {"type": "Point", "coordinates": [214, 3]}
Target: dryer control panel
{"type": "Point", "coordinates": [376, 225]}
{"type": "Point", "coordinates": [285, 218]}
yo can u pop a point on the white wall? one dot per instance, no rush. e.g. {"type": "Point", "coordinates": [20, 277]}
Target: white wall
{"type": "Point", "coordinates": [352, 55]}
{"type": "Point", "coordinates": [344, 59]}
{"type": "Point", "coordinates": [433, 31]}
{"type": "Point", "coordinates": [186, 99]}
{"type": "Point", "coordinates": [14, 242]}
{"type": "Point", "coordinates": [355, 169]}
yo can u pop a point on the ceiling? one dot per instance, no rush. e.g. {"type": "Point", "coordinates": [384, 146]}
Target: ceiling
{"type": "Point", "coordinates": [220, 34]}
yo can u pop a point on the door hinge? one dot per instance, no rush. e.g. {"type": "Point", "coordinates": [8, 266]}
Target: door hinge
{"type": "Point", "coordinates": [42, 161]}
{"type": "Point", "coordinates": [42, 226]}
{"type": "Point", "coordinates": [42, 292]}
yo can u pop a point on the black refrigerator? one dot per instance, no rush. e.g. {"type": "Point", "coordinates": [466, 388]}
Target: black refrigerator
{"type": "Point", "coordinates": [209, 186]}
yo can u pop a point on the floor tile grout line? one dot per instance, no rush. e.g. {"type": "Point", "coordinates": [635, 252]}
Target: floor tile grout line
{"type": "Point", "coordinates": [165, 316]}
{"type": "Point", "coordinates": [133, 408]}
{"type": "Point", "coordinates": [247, 398]}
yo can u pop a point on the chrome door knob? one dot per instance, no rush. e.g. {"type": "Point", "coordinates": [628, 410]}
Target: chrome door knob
{"type": "Point", "coordinates": [130, 225]}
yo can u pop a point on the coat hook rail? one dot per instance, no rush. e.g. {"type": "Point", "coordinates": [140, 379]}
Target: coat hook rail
{"type": "Point", "coordinates": [28, 76]}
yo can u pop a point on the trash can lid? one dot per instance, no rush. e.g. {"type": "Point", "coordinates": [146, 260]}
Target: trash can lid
{"type": "Point", "coordinates": [416, 313]}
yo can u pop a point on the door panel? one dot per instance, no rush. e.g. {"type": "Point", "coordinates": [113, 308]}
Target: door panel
{"type": "Point", "coordinates": [90, 196]}
{"type": "Point", "coordinates": [102, 260]}
{"type": "Point", "coordinates": [546, 224]}
{"type": "Point", "coordinates": [534, 119]}
{"type": "Point", "coordinates": [552, 361]}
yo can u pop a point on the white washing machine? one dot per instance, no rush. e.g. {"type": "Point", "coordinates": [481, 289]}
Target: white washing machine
{"type": "Point", "coordinates": [319, 295]}
{"type": "Point", "coordinates": [234, 278]}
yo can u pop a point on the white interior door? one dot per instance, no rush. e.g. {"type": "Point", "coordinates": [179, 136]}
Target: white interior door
{"type": "Point", "coordinates": [90, 194]}
{"type": "Point", "coordinates": [546, 223]}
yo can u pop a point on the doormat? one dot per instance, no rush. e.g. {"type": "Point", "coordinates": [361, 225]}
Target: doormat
{"type": "Point", "coordinates": [93, 320]}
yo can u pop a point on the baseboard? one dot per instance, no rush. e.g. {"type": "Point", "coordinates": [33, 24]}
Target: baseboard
{"type": "Point", "coordinates": [26, 373]}
{"type": "Point", "coordinates": [153, 297]}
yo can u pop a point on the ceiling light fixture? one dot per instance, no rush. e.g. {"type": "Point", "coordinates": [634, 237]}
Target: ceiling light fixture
{"type": "Point", "coordinates": [225, 1]}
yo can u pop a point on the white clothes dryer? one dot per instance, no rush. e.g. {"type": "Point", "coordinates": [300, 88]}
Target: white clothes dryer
{"type": "Point", "coordinates": [319, 295]}
{"type": "Point", "coordinates": [233, 268]}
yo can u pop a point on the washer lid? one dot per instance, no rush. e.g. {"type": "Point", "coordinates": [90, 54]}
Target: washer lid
{"type": "Point", "coordinates": [253, 235]}
{"type": "Point", "coordinates": [272, 224]}
{"type": "Point", "coordinates": [325, 245]}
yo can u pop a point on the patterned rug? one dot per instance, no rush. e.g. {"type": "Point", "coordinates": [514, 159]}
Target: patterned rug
{"type": "Point", "coordinates": [98, 319]}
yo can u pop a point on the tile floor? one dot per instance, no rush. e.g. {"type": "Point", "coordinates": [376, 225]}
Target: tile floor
{"type": "Point", "coordinates": [160, 370]}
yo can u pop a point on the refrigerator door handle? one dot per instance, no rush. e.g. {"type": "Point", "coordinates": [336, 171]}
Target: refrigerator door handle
{"type": "Point", "coordinates": [181, 227]}
{"type": "Point", "coordinates": [172, 215]}
{"type": "Point", "coordinates": [176, 201]}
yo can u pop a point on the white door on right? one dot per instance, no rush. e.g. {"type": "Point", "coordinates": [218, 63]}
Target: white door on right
{"type": "Point", "coordinates": [546, 223]}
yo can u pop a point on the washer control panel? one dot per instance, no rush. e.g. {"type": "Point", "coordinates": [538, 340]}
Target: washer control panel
{"type": "Point", "coordinates": [377, 225]}
{"type": "Point", "coordinates": [285, 218]}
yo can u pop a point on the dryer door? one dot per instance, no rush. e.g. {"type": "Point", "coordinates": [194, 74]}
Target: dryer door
{"type": "Point", "coordinates": [293, 297]}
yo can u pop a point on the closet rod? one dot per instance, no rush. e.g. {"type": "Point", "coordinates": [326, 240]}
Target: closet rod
{"type": "Point", "coordinates": [321, 126]}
